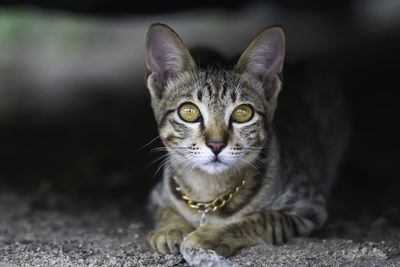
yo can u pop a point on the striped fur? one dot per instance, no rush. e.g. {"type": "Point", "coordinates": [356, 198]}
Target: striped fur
{"type": "Point", "coordinates": [280, 200]}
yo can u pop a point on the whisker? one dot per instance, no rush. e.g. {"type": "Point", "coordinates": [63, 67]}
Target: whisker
{"type": "Point", "coordinates": [236, 166]}
{"type": "Point", "coordinates": [146, 145]}
{"type": "Point", "coordinates": [170, 159]}
{"type": "Point", "coordinates": [227, 178]}
{"type": "Point", "coordinates": [162, 164]}
{"type": "Point", "coordinates": [159, 158]}
{"type": "Point", "coordinates": [157, 149]}
{"type": "Point", "coordinates": [250, 164]}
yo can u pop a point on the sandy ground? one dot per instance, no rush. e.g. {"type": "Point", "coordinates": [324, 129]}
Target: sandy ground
{"type": "Point", "coordinates": [71, 232]}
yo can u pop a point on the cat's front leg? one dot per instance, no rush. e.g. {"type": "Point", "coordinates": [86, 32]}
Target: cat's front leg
{"type": "Point", "coordinates": [274, 227]}
{"type": "Point", "coordinates": [169, 236]}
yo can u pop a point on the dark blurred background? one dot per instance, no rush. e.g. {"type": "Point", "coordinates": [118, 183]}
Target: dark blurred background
{"type": "Point", "coordinates": [75, 114]}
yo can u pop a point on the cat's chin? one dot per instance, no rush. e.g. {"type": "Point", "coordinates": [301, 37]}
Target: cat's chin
{"type": "Point", "coordinates": [214, 167]}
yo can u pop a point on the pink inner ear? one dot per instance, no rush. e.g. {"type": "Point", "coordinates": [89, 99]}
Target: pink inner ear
{"type": "Point", "coordinates": [163, 55]}
{"type": "Point", "coordinates": [266, 57]}
{"type": "Point", "coordinates": [276, 65]}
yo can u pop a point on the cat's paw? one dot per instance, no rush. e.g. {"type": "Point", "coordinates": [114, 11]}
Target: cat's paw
{"type": "Point", "coordinates": [210, 238]}
{"type": "Point", "coordinates": [168, 238]}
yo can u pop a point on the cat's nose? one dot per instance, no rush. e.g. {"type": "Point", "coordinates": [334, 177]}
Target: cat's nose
{"type": "Point", "coordinates": [216, 146]}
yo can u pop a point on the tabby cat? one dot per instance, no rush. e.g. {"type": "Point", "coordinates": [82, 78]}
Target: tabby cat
{"type": "Point", "coordinates": [232, 177]}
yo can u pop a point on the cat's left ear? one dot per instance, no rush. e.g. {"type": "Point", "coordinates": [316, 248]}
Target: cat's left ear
{"type": "Point", "coordinates": [263, 59]}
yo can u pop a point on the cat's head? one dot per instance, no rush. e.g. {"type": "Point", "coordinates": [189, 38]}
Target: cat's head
{"type": "Point", "coordinates": [213, 119]}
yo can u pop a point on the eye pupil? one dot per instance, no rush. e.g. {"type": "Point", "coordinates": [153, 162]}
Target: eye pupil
{"type": "Point", "coordinates": [189, 112]}
{"type": "Point", "coordinates": [242, 113]}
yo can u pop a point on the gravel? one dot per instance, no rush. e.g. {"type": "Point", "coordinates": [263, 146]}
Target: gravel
{"type": "Point", "coordinates": [80, 234]}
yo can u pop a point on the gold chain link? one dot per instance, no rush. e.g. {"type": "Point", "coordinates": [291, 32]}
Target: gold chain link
{"type": "Point", "coordinates": [214, 205]}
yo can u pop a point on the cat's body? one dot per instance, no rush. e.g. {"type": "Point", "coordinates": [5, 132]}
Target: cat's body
{"type": "Point", "coordinates": [217, 126]}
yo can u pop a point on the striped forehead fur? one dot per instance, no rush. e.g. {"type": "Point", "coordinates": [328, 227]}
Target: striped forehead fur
{"type": "Point", "coordinates": [213, 84]}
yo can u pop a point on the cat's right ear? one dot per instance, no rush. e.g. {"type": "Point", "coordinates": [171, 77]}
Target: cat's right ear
{"type": "Point", "coordinates": [166, 58]}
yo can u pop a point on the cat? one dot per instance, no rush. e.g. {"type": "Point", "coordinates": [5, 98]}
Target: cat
{"type": "Point", "coordinates": [235, 175]}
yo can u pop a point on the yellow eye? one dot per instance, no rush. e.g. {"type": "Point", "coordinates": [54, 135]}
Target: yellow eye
{"type": "Point", "coordinates": [189, 112]}
{"type": "Point", "coordinates": [242, 113]}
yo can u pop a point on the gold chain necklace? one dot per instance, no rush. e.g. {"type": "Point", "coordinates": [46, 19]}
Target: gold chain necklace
{"type": "Point", "coordinates": [211, 206]}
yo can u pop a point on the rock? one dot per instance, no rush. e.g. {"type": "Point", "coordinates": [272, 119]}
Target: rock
{"type": "Point", "coordinates": [205, 258]}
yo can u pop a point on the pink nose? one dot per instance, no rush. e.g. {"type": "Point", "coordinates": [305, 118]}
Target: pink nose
{"type": "Point", "coordinates": [216, 146]}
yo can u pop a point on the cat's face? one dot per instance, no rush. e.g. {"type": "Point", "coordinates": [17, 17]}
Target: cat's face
{"type": "Point", "coordinates": [214, 119]}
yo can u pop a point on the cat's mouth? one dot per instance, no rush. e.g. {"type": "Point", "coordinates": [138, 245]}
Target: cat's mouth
{"type": "Point", "coordinates": [215, 166]}
{"type": "Point", "coordinates": [216, 160]}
